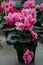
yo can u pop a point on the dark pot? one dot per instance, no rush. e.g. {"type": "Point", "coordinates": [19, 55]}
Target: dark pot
{"type": "Point", "coordinates": [20, 50]}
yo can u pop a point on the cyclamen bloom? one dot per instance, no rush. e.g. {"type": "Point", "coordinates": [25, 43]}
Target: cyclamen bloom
{"type": "Point", "coordinates": [19, 26]}
{"type": "Point", "coordinates": [11, 3]}
{"type": "Point", "coordinates": [29, 3]}
{"type": "Point", "coordinates": [16, 17]}
{"type": "Point", "coordinates": [3, 4]}
{"type": "Point", "coordinates": [8, 5]}
{"type": "Point", "coordinates": [28, 18]}
{"type": "Point", "coordinates": [1, 9]}
{"type": "Point", "coordinates": [41, 6]}
{"type": "Point", "coordinates": [34, 35]}
{"type": "Point", "coordinates": [9, 19]}
{"type": "Point", "coordinates": [11, 10]}
{"type": "Point", "coordinates": [29, 11]}
{"type": "Point", "coordinates": [25, 12]}
{"type": "Point", "coordinates": [29, 22]}
{"type": "Point", "coordinates": [26, 4]}
{"type": "Point", "coordinates": [37, 6]}
{"type": "Point", "coordinates": [28, 56]}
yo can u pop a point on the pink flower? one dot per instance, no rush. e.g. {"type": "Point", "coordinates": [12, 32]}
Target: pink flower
{"type": "Point", "coordinates": [1, 9]}
{"type": "Point", "coordinates": [8, 5]}
{"type": "Point", "coordinates": [37, 6]}
{"type": "Point", "coordinates": [9, 9]}
{"type": "Point", "coordinates": [26, 4]}
{"type": "Point", "coordinates": [29, 3]}
{"type": "Point", "coordinates": [41, 6]}
{"type": "Point", "coordinates": [3, 4]}
{"type": "Point", "coordinates": [16, 17]}
{"type": "Point", "coordinates": [9, 19]}
{"type": "Point", "coordinates": [19, 26]}
{"type": "Point", "coordinates": [25, 12]}
{"type": "Point", "coordinates": [34, 35]}
{"type": "Point", "coordinates": [29, 22]}
{"type": "Point", "coordinates": [11, 3]}
{"type": "Point", "coordinates": [33, 12]}
{"type": "Point", "coordinates": [27, 17]}
{"type": "Point", "coordinates": [28, 56]}
{"type": "Point", "coordinates": [29, 11]}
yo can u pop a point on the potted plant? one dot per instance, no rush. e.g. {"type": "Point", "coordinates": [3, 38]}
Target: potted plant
{"type": "Point", "coordinates": [39, 13]}
{"type": "Point", "coordinates": [24, 36]}
{"type": "Point", "coordinates": [25, 39]}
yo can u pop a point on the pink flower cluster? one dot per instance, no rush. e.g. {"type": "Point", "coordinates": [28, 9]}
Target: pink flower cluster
{"type": "Point", "coordinates": [27, 19]}
{"type": "Point", "coordinates": [28, 56]}
{"type": "Point", "coordinates": [40, 7]}
{"type": "Point", "coordinates": [34, 35]}
{"type": "Point", "coordinates": [29, 3]}
{"type": "Point", "coordinates": [8, 5]}
{"type": "Point", "coordinates": [9, 19]}
{"type": "Point", "coordinates": [24, 20]}
{"type": "Point", "coordinates": [37, 6]}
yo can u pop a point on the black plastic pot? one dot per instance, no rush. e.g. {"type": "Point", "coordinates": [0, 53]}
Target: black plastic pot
{"type": "Point", "coordinates": [20, 50]}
